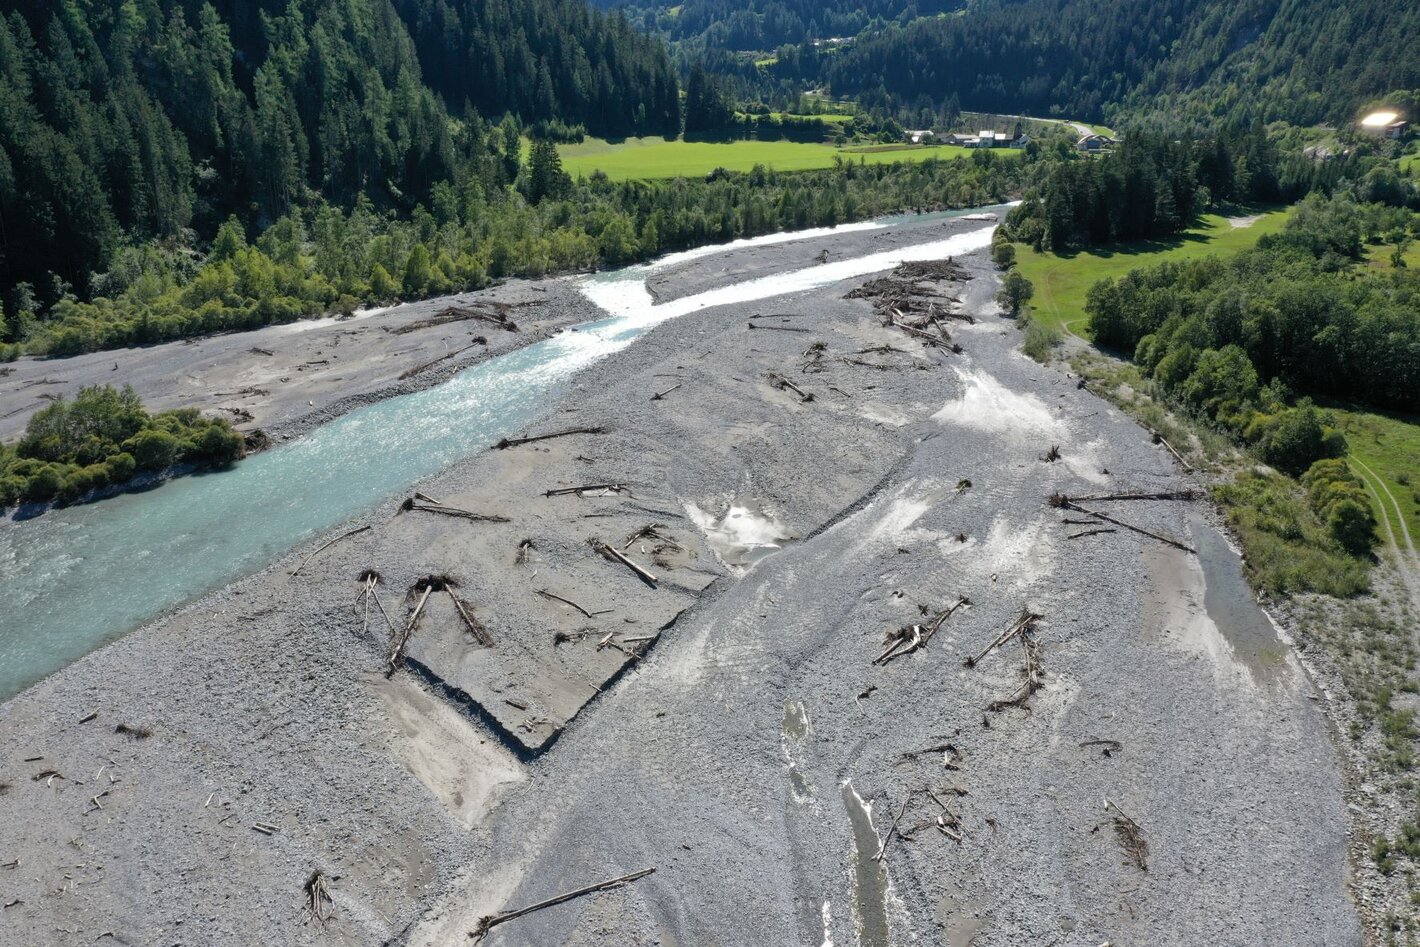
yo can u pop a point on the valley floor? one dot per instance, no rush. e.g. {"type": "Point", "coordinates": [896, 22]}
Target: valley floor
{"type": "Point", "coordinates": [726, 724]}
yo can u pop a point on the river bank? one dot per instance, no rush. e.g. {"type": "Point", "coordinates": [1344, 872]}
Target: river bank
{"type": "Point", "coordinates": [710, 723]}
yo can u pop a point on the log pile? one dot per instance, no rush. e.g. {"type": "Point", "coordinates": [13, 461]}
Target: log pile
{"type": "Point", "coordinates": [494, 313]}
{"type": "Point", "coordinates": [905, 300]}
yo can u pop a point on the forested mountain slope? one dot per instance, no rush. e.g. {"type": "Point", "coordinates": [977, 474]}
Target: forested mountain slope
{"type": "Point", "coordinates": [139, 119]}
{"type": "Point", "coordinates": [1300, 60]}
{"type": "Point", "coordinates": [766, 24]}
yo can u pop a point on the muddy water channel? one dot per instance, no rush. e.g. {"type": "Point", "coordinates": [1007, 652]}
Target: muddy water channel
{"type": "Point", "coordinates": [74, 579]}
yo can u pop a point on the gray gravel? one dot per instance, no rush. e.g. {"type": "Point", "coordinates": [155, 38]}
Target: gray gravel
{"type": "Point", "coordinates": [266, 701]}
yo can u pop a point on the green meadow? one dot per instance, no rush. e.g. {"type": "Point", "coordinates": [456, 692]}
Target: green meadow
{"type": "Point", "coordinates": [649, 158]}
{"type": "Point", "coordinates": [1385, 452]}
{"type": "Point", "coordinates": [1061, 281]}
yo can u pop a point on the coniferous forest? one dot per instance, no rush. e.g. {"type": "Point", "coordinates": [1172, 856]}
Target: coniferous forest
{"type": "Point", "coordinates": [123, 122]}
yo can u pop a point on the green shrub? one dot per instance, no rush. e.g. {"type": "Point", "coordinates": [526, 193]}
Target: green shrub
{"type": "Point", "coordinates": [105, 436]}
{"type": "Point", "coordinates": [44, 484]}
{"type": "Point", "coordinates": [121, 467]}
{"type": "Point", "coordinates": [1039, 340]}
{"type": "Point", "coordinates": [1288, 548]}
{"type": "Point", "coordinates": [153, 449]}
{"type": "Point", "coordinates": [1294, 439]}
{"type": "Point", "coordinates": [1015, 292]}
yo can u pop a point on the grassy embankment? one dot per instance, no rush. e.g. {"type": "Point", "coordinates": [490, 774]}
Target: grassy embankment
{"type": "Point", "coordinates": [1061, 281]}
{"type": "Point", "coordinates": [1385, 448]}
{"type": "Point", "coordinates": [650, 158]}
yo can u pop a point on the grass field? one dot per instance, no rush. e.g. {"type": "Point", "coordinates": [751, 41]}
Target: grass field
{"type": "Point", "coordinates": [1061, 281]}
{"type": "Point", "coordinates": [1385, 452]}
{"type": "Point", "coordinates": [648, 158]}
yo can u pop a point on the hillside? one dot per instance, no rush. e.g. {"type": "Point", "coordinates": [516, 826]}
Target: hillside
{"type": "Point", "coordinates": [122, 122]}
{"type": "Point", "coordinates": [742, 25]}
{"type": "Point", "coordinates": [1300, 60]}
{"type": "Point", "coordinates": [1165, 61]}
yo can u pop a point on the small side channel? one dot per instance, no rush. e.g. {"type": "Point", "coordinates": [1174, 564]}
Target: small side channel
{"type": "Point", "coordinates": [870, 881]}
{"type": "Point", "coordinates": [1233, 607]}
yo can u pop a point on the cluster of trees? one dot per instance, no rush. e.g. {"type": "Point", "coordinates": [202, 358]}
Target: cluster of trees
{"type": "Point", "coordinates": [325, 259]}
{"type": "Point", "coordinates": [1037, 57]}
{"type": "Point", "coordinates": [1235, 340]}
{"type": "Point", "coordinates": [1338, 498]}
{"type": "Point", "coordinates": [1154, 186]}
{"type": "Point", "coordinates": [1151, 186]}
{"type": "Point", "coordinates": [1294, 312]}
{"type": "Point", "coordinates": [544, 60]}
{"type": "Point", "coordinates": [105, 437]}
{"type": "Point", "coordinates": [127, 122]}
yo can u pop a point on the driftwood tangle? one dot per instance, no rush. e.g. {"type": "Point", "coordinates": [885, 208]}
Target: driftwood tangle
{"type": "Point", "coordinates": [1025, 622]}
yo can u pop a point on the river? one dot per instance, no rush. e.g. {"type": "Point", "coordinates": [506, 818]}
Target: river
{"type": "Point", "coordinates": [77, 578]}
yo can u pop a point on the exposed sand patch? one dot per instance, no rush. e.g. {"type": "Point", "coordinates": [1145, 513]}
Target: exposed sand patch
{"type": "Point", "coordinates": [883, 414]}
{"type": "Point", "coordinates": [1241, 223]}
{"type": "Point", "coordinates": [1174, 606]}
{"type": "Point", "coordinates": [467, 772]}
{"type": "Point", "coordinates": [988, 405]}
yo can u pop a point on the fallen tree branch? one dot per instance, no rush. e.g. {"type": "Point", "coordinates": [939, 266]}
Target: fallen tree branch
{"type": "Point", "coordinates": [605, 488]}
{"type": "Point", "coordinates": [323, 548]}
{"type": "Point", "coordinates": [779, 381]}
{"type": "Point", "coordinates": [506, 443]}
{"type": "Point", "coordinates": [1090, 532]}
{"type": "Point", "coordinates": [490, 921]}
{"type": "Point", "coordinates": [931, 629]}
{"type": "Point", "coordinates": [909, 638]}
{"type": "Point", "coordinates": [1067, 503]}
{"type": "Point", "coordinates": [397, 646]}
{"type": "Point", "coordinates": [951, 756]}
{"type": "Point", "coordinates": [1130, 835]}
{"type": "Point", "coordinates": [780, 328]}
{"type": "Point", "coordinates": [1173, 495]}
{"type": "Point", "coordinates": [497, 316]}
{"type": "Point", "coordinates": [420, 369]}
{"type": "Point", "coordinates": [411, 506]}
{"type": "Point", "coordinates": [567, 601]}
{"type": "Point", "coordinates": [661, 394]}
{"type": "Point", "coordinates": [1160, 439]}
{"type": "Point", "coordinates": [652, 532]}
{"type": "Point", "coordinates": [475, 627]}
{"type": "Point", "coordinates": [608, 552]}
{"type": "Point", "coordinates": [1111, 747]}
{"type": "Point", "coordinates": [892, 830]}
{"type": "Point", "coordinates": [319, 904]}
{"type": "Point", "coordinates": [1034, 675]}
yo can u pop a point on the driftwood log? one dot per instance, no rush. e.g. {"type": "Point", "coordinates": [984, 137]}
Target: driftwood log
{"type": "Point", "coordinates": [506, 443]}
{"type": "Point", "coordinates": [490, 921]}
{"type": "Point", "coordinates": [616, 555]}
